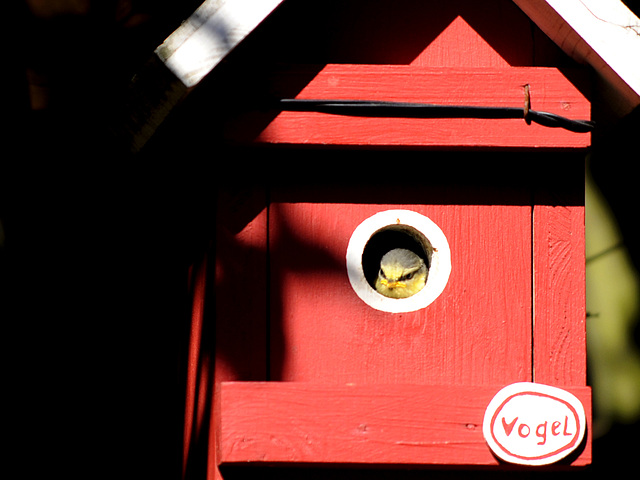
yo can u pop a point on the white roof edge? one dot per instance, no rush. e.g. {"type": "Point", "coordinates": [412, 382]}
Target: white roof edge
{"type": "Point", "coordinates": [603, 33]}
{"type": "Point", "coordinates": [210, 34]}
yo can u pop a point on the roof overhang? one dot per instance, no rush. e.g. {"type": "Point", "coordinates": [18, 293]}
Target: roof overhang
{"type": "Point", "coordinates": [602, 33]}
{"type": "Point", "coordinates": [209, 34]}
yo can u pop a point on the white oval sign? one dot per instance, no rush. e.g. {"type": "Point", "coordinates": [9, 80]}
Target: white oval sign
{"type": "Point", "coordinates": [533, 424]}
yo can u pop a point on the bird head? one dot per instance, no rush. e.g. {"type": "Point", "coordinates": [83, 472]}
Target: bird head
{"type": "Point", "coordinates": [402, 274]}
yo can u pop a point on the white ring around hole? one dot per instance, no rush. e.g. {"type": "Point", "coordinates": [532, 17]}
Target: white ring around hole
{"type": "Point", "coordinates": [439, 269]}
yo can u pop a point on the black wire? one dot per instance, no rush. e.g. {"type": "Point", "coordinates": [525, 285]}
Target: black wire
{"type": "Point", "coordinates": [366, 108]}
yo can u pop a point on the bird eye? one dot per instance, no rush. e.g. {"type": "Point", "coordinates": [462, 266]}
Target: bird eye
{"type": "Point", "coordinates": [407, 276]}
{"type": "Point", "coordinates": [381, 273]}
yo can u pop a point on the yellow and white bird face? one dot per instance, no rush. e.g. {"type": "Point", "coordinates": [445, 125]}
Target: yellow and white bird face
{"type": "Point", "coordinates": [402, 274]}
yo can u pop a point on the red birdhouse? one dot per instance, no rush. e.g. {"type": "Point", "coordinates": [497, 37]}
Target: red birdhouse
{"type": "Point", "coordinates": [455, 130]}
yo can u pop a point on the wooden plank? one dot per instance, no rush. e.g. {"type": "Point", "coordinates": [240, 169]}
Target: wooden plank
{"type": "Point", "coordinates": [229, 333]}
{"type": "Point", "coordinates": [197, 388]}
{"type": "Point", "coordinates": [559, 301]}
{"type": "Point", "coordinates": [559, 337]}
{"type": "Point", "coordinates": [210, 34]}
{"type": "Point", "coordinates": [602, 33]}
{"type": "Point", "coordinates": [241, 284]}
{"type": "Point", "coordinates": [149, 99]}
{"type": "Point", "coordinates": [550, 91]}
{"type": "Point", "coordinates": [477, 332]}
{"type": "Point", "coordinates": [215, 29]}
{"type": "Point", "coordinates": [296, 423]}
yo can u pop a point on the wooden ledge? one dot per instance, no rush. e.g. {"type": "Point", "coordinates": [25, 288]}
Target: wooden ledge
{"type": "Point", "coordinates": [302, 423]}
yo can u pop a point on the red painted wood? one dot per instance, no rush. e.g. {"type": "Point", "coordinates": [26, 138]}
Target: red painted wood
{"type": "Point", "coordinates": [288, 423]}
{"type": "Point", "coordinates": [241, 285]}
{"type": "Point", "coordinates": [459, 45]}
{"type": "Point", "coordinates": [477, 332]}
{"type": "Point", "coordinates": [194, 396]}
{"type": "Point", "coordinates": [229, 322]}
{"type": "Point", "coordinates": [284, 309]}
{"type": "Point", "coordinates": [426, 32]}
{"type": "Point", "coordinates": [550, 91]}
{"type": "Point", "coordinates": [559, 280]}
{"type": "Point", "coordinates": [476, 336]}
{"type": "Point", "coordinates": [494, 33]}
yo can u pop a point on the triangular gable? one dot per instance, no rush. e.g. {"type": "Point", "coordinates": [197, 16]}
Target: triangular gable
{"type": "Point", "coordinates": [457, 32]}
{"type": "Point", "coordinates": [218, 26]}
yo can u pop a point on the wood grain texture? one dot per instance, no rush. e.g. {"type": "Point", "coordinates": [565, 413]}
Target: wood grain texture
{"type": "Point", "coordinates": [297, 423]}
{"type": "Point", "coordinates": [550, 91]}
{"type": "Point", "coordinates": [353, 385]}
{"type": "Point", "coordinates": [559, 337]}
{"type": "Point", "coordinates": [477, 332]}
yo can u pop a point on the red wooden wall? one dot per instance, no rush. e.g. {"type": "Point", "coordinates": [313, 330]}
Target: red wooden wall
{"type": "Point", "coordinates": [513, 310]}
{"type": "Point", "coordinates": [289, 366]}
{"type": "Point", "coordinates": [329, 335]}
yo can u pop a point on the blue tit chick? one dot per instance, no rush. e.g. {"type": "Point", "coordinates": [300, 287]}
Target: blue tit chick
{"type": "Point", "coordinates": [402, 274]}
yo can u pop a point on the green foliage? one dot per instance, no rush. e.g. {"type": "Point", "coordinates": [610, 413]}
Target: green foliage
{"type": "Point", "coordinates": [613, 306]}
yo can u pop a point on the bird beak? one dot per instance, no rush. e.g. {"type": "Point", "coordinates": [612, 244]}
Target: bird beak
{"type": "Point", "coordinates": [389, 284]}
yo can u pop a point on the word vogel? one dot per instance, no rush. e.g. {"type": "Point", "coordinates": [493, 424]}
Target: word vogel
{"type": "Point", "coordinates": [533, 424]}
{"type": "Point", "coordinates": [557, 428]}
